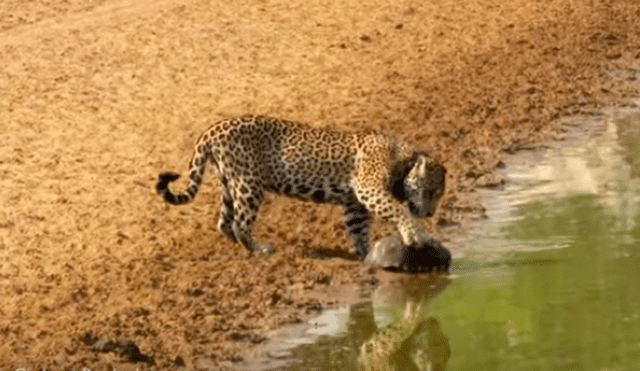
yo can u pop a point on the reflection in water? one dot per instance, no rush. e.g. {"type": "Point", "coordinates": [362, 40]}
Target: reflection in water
{"type": "Point", "coordinates": [411, 342]}
{"type": "Point", "coordinates": [392, 332]}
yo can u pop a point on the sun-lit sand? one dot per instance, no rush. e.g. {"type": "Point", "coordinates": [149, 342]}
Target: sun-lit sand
{"type": "Point", "coordinates": [98, 97]}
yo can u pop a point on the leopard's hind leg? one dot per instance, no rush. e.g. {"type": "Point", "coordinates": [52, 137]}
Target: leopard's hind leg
{"type": "Point", "coordinates": [248, 197]}
{"type": "Point", "coordinates": [227, 210]}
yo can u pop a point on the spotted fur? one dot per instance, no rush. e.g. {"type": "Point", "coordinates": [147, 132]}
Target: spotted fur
{"type": "Point", "coordinates": [367, 173]}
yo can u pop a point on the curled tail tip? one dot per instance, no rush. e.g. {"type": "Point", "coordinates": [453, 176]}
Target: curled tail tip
{"type": "Point", "coordinates": [164, 179]}
{"type": "Point", "coordinates": [173, 198]}
{"type": "Point", "coordinates": [168, 176]}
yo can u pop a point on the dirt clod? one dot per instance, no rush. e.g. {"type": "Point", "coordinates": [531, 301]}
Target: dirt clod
{"type": "Point", "coordinates": [126, 349]}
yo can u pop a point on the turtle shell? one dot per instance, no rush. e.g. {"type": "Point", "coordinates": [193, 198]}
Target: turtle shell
{"type": "Point", "coordinates": [391, 254]}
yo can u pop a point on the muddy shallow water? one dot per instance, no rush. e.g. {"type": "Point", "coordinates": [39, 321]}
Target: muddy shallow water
{"type": "Point", "coordinates": [548, 283]}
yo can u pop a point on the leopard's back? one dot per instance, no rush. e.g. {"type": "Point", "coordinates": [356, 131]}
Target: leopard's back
{"type": "Point", "coordinates": [285, 157]}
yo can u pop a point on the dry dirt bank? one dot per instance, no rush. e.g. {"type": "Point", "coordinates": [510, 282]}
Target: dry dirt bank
{"type": "Point", "coordinates": [98, 97]}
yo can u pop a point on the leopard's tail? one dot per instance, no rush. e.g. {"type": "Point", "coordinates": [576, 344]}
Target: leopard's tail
{"type": "Point", "coordinates": [198, 165]}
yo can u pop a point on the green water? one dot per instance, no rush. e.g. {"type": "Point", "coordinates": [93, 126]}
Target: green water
{"type": "Point", "coordinates": [570, 308]}
{"type": "Point", "coordinates": [551, 283]}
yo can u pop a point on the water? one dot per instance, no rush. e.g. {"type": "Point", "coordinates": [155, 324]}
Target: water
{"type": "Point", "coordinates": [552, 282]}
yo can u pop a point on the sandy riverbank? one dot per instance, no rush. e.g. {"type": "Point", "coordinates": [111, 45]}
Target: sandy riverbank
{"type": "Point", "coordinates": [100, 96]}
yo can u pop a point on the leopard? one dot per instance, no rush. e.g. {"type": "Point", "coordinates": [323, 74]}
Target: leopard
{"type": "Point", "coordinates": [368, 173]}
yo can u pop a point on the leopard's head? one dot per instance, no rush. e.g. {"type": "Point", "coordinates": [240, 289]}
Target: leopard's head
{"type": "Point", "coordinates": [420, 183]}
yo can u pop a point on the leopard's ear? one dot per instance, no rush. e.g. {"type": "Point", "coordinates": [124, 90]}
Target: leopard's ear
{"type": "Point", "coordinates": [398, 174]}
{"type": "Point", "coordinates": [420, 167]}
{"type": "Point", "coordinates": [428, 168]}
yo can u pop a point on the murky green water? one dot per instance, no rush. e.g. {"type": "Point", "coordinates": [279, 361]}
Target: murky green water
{"type": "Point", "coordinates": [552, 282]}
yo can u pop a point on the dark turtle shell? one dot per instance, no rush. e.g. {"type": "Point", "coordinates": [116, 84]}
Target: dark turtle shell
{"type": "Point", "coordinates": [390, 253]}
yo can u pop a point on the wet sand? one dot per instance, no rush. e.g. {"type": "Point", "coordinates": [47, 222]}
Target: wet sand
{"type": "Point", "coordinates": [98, 97]}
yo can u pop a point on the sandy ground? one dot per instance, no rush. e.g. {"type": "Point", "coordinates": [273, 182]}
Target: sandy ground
{"type": "Point", "coordinates": [97, 97]}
